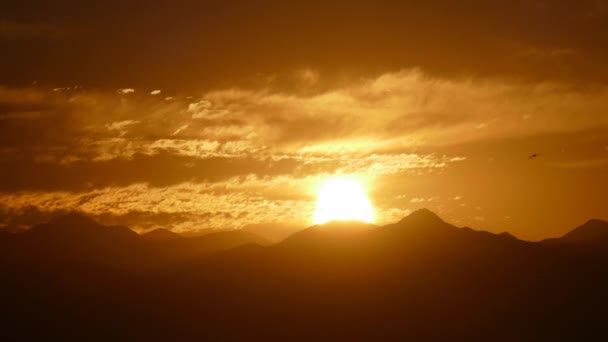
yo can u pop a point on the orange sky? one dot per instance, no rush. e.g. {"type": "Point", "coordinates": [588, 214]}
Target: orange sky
{"type": "Point", "coordinates": [191, 115]}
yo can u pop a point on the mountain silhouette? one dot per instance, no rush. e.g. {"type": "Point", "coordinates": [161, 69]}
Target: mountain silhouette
{"type": "Point", "coordinates": [184, 249]}
{"type": "Point", "coordinates": [274, 232]}
{"type": "Point", "coordinates": [420, 278]}
{"type": "Point", "coordinates": [78, 229]}
{"type": "Point", "coordinates": [421, 218]}
{"type": "Point", "coordinates": [161, 234]}
{"type": "Point", "coordinates": [77, 239]}
{"type": "Point", "coordinates": [593, 232]}
{"type": "Point", "coordinates": [340, 230]}
{"type": "Point", "coordinates": [74, 239]}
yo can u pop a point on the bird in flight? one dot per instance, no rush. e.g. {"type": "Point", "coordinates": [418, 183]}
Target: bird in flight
{"type": "Point", "coordinates": [533, 156]}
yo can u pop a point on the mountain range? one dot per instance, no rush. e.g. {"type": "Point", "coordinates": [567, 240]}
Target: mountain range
{"type": "Point", "coordinates": [420, 278]}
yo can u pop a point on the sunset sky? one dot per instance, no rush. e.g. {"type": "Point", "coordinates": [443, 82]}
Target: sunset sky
{"type": "Point", "coordinates": [226, 114]}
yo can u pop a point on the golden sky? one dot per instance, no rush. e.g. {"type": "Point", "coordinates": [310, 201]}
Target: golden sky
{"type": "Point", "coordinates": [223, 114]}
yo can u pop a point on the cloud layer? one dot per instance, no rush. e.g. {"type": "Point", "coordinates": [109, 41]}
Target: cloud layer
{"type": "Point", "coordinates": [231, 157]}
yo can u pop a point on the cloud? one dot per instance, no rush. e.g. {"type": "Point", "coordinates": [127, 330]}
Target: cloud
{"type": "Point", "coordinates": [480, 99]}
{"type": "Point", "coordinates": [389, 113]}
{"type": "Point", "coordinates": [180, 129]}
{"type": "Point", "coordinates": [126, 91]}
{"type": "Point", "coordinates": [204, 110]}
{"type": "Point", "coordinates": [183, 207]}
{"type": "Point", "coordinates": [408, 108]}
{"type": "Point", "coordinates": [260, 150]}
{"type": "Point", "coordinates": [308, 76]}
{"type": "Point", "coordinates": [121, 126]}
{"type": "Point", "coordinates": [533, 51]}
{"type": "Point", "coordinates": [471, 43]}
{"type": "Point", "coordinates": [160, 169]}
{"type": "Point", "coordinates": [373, 123]}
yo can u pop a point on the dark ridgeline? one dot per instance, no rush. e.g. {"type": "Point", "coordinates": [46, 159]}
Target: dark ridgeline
{"type": "Point", "coordinates": [420, 278]}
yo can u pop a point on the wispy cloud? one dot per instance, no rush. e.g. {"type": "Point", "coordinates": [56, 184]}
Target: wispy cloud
{"type": "Point", "coordinates": [245, 156]}
{"type": "Point", "coordinates": [126, 91]}
{"type": "Point", "coordinates": [180, 129]}
{"type": "Point", "coordinates": [204, 110]}
{"type": "Point", "coordinates": [121, 126]}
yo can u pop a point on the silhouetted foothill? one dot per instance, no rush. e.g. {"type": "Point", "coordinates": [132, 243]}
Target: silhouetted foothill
{"type": "Point", "coordinates": [593, 230]}
{"type": "Point", "coordinates": [420, 279]}
{"type": "Point", "coordinates": [161, 234]}
{"type": "Point", "coordinates": [76, 225]}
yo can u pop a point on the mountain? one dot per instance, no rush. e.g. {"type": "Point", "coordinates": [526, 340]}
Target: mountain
{"type": "Point", "coordinates": [192, 248]}
{"type": "Point", "coordinates": [75, 239]}
{"type": "Point", "coordinates": [6, 239]}
{"type": "Point", "coordinates": [422, 233]}
{"type": "Point", "coordinates": [274, 232]}
{"type": "Point", "coordinates": [418, 279]}
{"type": "Point", "coordinates": [161, 234]}
{"type": "Point", "coordinates": [341, 230]}
{"type": "Point", "coordinates": [425, 228]}
{"type": "Point", "coordinates": [421, 218]}
{"type": "Point", "coordinates": [593, 232]}
{"type": "Point", "coordinates": [78, 228]}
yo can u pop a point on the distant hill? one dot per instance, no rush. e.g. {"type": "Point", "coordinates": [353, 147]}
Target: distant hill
{"type": "Point", "coordinates": [420, 232]}
{"type": "Point", "coordinates": [341, 231]}
{"type": "Point", "coordinates": [77, 239]}
{"type": "Point", "coordinates": [77, 227]}
{"type": "Point", "coordinates": [197, 247]}
{"type": "Point", "coordinates": [418, 279]}
{"type": "Point", "coordinates": [593, 232]}
{"type": "Point", "coordinates": [274, 232]}
{"type": "Point", "coordinates": [161, 234]}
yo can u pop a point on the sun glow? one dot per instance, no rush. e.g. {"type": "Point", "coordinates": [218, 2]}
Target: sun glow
{"type": "Point", "coordinates": [342, 199]}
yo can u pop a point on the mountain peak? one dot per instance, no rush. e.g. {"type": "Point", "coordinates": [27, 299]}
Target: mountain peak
{"type": "Point", "coordinates": [77, 226]}
{"type": "Point", "coordinates": [422, 216]}
{"type": "Point", "coordinates": [161, 234]}
{"type": "Point", "coordinates": [591, 230]}
{"type": "Point", "coordinates": [69, 223]}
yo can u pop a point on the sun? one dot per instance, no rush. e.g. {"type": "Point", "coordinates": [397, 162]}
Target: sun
{"type": "Point", "coordinates": [342, 199]}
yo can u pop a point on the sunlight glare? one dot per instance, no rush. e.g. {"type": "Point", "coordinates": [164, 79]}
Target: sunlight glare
{"type": "Point", "coordinates": [342, 199]}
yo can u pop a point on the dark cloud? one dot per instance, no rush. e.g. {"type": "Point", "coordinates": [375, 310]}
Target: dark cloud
{"type": "Point", "coordinates": [201, 44]}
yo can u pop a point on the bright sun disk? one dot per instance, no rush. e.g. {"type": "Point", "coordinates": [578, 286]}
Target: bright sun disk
{"type": "Point", "coordinates": [343, 199]}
